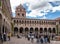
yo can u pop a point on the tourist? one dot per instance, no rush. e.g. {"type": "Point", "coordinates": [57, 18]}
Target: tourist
{"type": "Point", "coordinates": [32, 38]}
{"type": "Point", "coordinates": [52, 37]}
{"type": "Point", "coordinates": [18, 36]}
{"type": "Point", "coordinates": [4, 36]}
{"type": "Point", "coordinates": [1, 42]}
{"type": "Point", "coordinates": [45, 39]}
{"type": "Point", "coordinates": [41, 40]}
{"type": "Point", "coordinates": [48, 39]}
{"type": "Point", "coordinates": [28, 37]}
{"type": "Point", "coordinates": [37, 40]}
{"type": "Point", "coordinates": [9, 36]}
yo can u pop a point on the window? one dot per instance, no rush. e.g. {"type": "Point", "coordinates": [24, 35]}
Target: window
{"type": "Point", "coordinates": [18, 14]}
{"type": "Point", "coordinates": [20, 10]}
{"type": "Point", "coordinates": [4, 20]}
{"type": "Point", "coordinates": [17, 21]}
{"type": "Point", "coordinates": [35, 21]}
{"type": "Point", "coordinates": [20, 21]}
{"type": "Point", "coordinates": [23, 15]}
{"type": "Point", "coordinates": [59, 22]}
{"type": "Point", "coordinates": [14, 21]}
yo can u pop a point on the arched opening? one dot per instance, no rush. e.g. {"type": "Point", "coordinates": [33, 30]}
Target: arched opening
{"type": "Point", "coordinates": [49, 30]}
{"type": "Point", "coordinates": [53, 30]}
{"type": "Point", "coordinates": [21, 29]}
{"type": "Point", "coordinates": [6, 30]}
{"type": "Point", "coordinates": [26, 29]}
{"type": "Point", "coordinates": [15, 29]}
{"type": "Point", "coordinates": [45, 29]}
{"type": "Point", "coordinates": [36, 29]}
{"type": "Point", "coordinates": [41, 30]}
{"type": "Point", "coordinates": [31, 30]}
{"type": "Point", "coordinates": [0, 16]}
{"type": "Point", "coordinates": [3, 29]}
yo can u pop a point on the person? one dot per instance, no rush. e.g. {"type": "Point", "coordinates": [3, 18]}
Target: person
{"type": "Point", "coordinates": [18, 36]}
{"type": "Point", "coordinates": [41, 40]}
{"type": "Point", "coordinates": [48, 39]}
{"type": "Point", "coordinates": [45, 39]}
{"type": "Point", "coordinates": [4, 36]}
{"type": "Point", "coordinates": [9, 35]}
{"type": "Point", "coordinates": [53, 36]}
{"type": "Point", "coordinates": [32, 38]}
{"type": "Point", "coordinates": [28, 37]}
{"type": "Point", "coordinates": [1, 42]}
{"type": "Point", "coordinates": [37, 40]}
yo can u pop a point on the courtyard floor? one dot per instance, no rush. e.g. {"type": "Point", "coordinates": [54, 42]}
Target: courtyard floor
{"type": "Point", "coordinates": [15, 40]}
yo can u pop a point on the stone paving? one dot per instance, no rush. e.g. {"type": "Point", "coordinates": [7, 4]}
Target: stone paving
{"type": "Point", "coordinates": [15, 40]}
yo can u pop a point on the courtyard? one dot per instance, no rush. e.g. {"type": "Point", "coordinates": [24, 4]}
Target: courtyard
{"type": "Point", "coordinates": [23, 40]}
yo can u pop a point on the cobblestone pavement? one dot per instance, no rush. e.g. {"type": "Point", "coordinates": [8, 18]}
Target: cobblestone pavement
{"type": "Point", "coordinates": [15, 40]}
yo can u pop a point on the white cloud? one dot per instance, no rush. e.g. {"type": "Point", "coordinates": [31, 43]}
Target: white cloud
{"type": "Point", "coordinates": [54, 9]}
{"type": "Point", "coordinates": [35, 13]}
{"type": "Point", "coordinates": [36, 6]}
{"type": "Point", "coordinates": [44, 17]}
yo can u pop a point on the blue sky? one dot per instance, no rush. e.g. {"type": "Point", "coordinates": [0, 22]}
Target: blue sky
{"type": "Point", "coordinates": [39, 9]}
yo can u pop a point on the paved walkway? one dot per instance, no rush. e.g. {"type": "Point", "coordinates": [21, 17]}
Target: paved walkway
{"type": "Point", "coordinates": [15, 40]}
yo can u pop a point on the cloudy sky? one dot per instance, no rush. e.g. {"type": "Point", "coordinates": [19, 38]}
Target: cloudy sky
{"type": "Point", "coordinates": [40, 9]}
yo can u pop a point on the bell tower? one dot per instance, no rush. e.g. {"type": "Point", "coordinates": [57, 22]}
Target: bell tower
{"type": "Point", "coordinates": [20, 12]}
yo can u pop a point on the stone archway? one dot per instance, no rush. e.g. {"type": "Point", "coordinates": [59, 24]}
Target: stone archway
{"type": "Point", "coordinates": [26, 29]}
{"type": "Point", "coordinates": [45, 29]}
{"type": "Point", "coordinates": [15, 30]}
{"type": "Point", "coordinates": [3, 29]}
{"type": "Point", "coordinates": [53, 30]}
{"type": "Point", "coordinates": [31, 30]}
{"type": "Point", "coordinates": [21, 30]}
{"type": "Point", "coordinates": [41, 30]}
{"type": "Point", "coordinates": [6, 30]}
{"type": "Point", "coordinates": [49, 30]}
{"type": "Point", "coordinates": [36, 29]}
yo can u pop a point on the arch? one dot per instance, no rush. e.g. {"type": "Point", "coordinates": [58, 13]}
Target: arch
{"type": "Point", "coordinates": [41, 30]}
{"type": "Point", "coordinates": [15, 29]}
{"type": "Point", "coordinates": [0, 16]}
{"type": "Point", "coordinates": [21, 29]}
{"type": "Point", "coordinates": [36, 29]}
{"type": "Point", "coordinates": [45, 29]}
{"type": "Point", "coordinates": [31, 29]}
{"type": "Point", "coordinates": [3, 29]}
{"type": "Point", "coordinates": [53, 30]}
{"type": "Point", "coordinates": [49, 30]}
{"type": "Point", "coordinates": [26, 29]}
{"type": "Point", "coordinates": [6, 30]}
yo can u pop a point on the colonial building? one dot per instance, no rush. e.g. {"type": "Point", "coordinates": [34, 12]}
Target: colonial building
{"type": "Point", "coordinates": [23, 25]}
{"type": "Point", "coordinates": [5, 16]}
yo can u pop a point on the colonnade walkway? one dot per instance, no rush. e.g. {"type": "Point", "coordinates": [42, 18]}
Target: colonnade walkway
{"type": "Point", "coordinates": [23, 40]}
